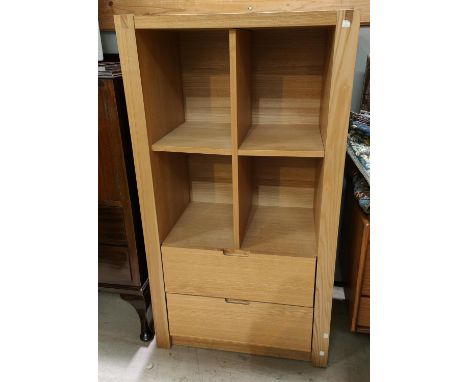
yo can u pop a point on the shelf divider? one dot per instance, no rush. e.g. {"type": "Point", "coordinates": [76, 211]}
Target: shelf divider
{"type": "Point", "coordinates": [241, 119]}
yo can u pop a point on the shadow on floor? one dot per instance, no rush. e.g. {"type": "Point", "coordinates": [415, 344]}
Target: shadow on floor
{"type": "Point", "coordinates": [124, 358]}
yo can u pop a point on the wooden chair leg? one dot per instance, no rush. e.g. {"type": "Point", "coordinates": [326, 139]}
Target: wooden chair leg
{"type": "Point", "coordinates": [141, 305]}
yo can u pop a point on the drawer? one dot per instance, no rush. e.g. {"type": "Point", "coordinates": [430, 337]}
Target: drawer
{"type": "Point", "coordinates": [254, 277]}
{"type": "Point", "coordinates": [365, 291]}
{"type": "Point", "coordinates": [114, 265]}
{"type": "Point", "coordinates": [363, 319]}
{"type": "Point", "coordinates": [253, 326]}
{"type": "Point", "coordinates": [111, 225]}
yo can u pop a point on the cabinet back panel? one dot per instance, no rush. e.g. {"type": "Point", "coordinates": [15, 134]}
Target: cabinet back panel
{"type": "Point", "coordinates": [284, 182]}
{"type": "Point", "coordinates": [287, 71]}
{"type": "Point", "coordinates": [210, 178]}
{"type": "Point", "coordinates": [204, 59]}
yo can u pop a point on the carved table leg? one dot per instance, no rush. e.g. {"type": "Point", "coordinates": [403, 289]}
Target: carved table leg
{"type": "Point", "coordinates": [141, 305]}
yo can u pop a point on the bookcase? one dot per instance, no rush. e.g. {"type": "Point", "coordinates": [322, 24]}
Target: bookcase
{"type": "Point", "coordinates": [238, 127]}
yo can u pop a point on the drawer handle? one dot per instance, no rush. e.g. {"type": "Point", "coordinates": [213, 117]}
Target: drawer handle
{"type": "Point", "coordinates": [235, 301]}
{"type": "Point", "coordinates": [227, 252]}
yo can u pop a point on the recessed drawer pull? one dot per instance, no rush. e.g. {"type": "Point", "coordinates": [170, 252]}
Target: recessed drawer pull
{"type": "Point", "coordinates": [227, 252]}
{"type": "Point", "coordinates": [235, 301]}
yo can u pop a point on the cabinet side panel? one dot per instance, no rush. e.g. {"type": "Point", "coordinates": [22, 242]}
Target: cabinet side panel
{"type": "Point", "coordinates": [141, 152]}
{"type": "Point", "coordinates": [331, 178]}
{"type": "Point", "coordinates": [158, 55]}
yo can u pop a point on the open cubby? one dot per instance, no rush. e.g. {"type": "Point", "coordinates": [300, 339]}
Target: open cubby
{"type": "Point", "coordinates": [285, 70]}
{"type": "Point", "coordinates": [279, 195]}
{"type": "Point", "coordinates": [192, 106]}
{"type": "Point", "coordinates": [195, 200]}
{"type": "Point", "coordinates": [238, 127]}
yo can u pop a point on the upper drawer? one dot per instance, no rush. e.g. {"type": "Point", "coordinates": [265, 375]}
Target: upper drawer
{"type": "Point", "coordinates": [255, 277]}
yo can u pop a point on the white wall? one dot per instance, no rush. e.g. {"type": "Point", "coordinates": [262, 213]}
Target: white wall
{"type": "Point", "coordinates": [360, 70]}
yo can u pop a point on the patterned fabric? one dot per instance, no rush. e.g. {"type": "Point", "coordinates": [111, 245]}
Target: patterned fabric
{"type": "Point", "coordinates": [359, 142]}
{"type": "Point", "coordinates": [361, 190]}
{"type": "Point", "coordinates": [359, 151]}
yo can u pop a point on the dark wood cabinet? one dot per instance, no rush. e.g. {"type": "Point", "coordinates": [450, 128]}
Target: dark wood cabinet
{"type": "Point", "coordinates": [121, 253]}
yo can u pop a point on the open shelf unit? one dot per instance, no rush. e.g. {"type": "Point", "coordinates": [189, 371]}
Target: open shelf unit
{"type": "Point", "coordinates": [239, 131]}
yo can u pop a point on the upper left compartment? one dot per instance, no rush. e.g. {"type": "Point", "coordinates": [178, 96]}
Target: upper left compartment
{"type": "Point", "coordinates": [185, 81]}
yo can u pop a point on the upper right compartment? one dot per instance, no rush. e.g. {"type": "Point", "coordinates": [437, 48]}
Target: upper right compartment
{"type": "Point", "coordinates": [286, 70]}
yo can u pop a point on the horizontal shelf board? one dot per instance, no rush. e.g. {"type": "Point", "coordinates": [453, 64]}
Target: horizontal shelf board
{"type": "Point", "coordinates": [197, 137]}
{"type": "Point", "coordinates": [237, 20]}
{"type": "Point", "coordinates": [288, 231]}
{"type": "Point", "coordinates": [203, 226]}
{"type": "Point", "coordinates": [283, 140]}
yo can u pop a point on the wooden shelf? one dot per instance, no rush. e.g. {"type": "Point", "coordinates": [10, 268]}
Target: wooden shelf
{"type": "Point", "coordinates": [203, 225]}
{"type": "Point", "coordinates": [283, 140]}
{"type": "Point", "coordinates": [197, 137]}
{"type": "Point", "coordinates": [288, 231]}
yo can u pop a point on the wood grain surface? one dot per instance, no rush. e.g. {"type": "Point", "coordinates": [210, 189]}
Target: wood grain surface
{"type": "Point", "coordinates": [107, 9]}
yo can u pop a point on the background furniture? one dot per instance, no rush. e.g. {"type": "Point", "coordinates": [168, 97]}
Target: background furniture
{"type": "Point", "coordinates": [122, 261]}
{"type": "Point", "coordinates": [239, 135]}
{"type": "Point", "coordinates": [355, 258]}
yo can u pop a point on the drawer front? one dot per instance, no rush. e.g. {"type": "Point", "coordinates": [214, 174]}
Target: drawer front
{"type": "Point", "coordinates": [365, 291]}
{"type": "Point", "coordinates": [253, 277]}
{"type": "Point", "coordinates": [364, 312]}
{"type": "Point", "coordinates": [114, 265]}
{"type": "Point", "coordinates": [111, 225]}
{"type": "Point", "coordinates": [211, 319]}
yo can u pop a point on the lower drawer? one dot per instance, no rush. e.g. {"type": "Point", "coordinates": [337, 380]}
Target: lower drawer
{"type": "Point", "coordinates": [244, 326]}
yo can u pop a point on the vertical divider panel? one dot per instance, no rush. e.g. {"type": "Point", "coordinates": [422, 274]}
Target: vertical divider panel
{"type": "Point", "coordinates": [337, 101]}
{"type": "Point", "coordinates": [241, 114]}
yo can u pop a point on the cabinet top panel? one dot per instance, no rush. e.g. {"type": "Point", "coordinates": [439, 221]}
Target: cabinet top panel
{"type": "Point", "coordinates": [224, 21]}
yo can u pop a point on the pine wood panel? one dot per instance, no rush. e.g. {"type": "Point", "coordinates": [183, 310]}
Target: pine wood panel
{"type": "Point", "coordinates": [158, 57]}
{"type": "Point", "coordinates": [287, 68]}
{"type": "Point", "coordinates": [239, 49]}
{"type": "Point", "coordinates": [281, 231]}
{"type": "Point", "coordinates": [172, 193]}
{"type": "Point", "coordinates": [136, 114]}
{"type": "Point", "coordinates": [204, 226]}
{"type": "Point", "coordinates": [210, 178]}
{"type": "Point", "coordinates": [245, 322]}
{"type": "Point", "coordinates": [240, 347]}
{"type": "Point", "coordinates": [283, 182]}
{"type": "Point", "coordinates": [107, 8]}
{"type": "Point", "coordinates": [204, 57]}
{"type": "Point", "coordinates": [280, 140]}
{"type": "Point", "coordinates": [230, 20]}
{"type": "Point", "coordinates": [197, 137]}
{"type": "Point", "coordinates": [331, 177]}
{"type": "Point", "coordinates": [240, 275]}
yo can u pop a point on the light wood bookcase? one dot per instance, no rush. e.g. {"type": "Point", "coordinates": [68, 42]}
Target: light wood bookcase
{"type": "Point", "coordinates": [238, 127]}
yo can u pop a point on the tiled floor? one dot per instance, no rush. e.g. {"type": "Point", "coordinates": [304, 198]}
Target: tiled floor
{"type": "Point", "coordinates": [124, 358]}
